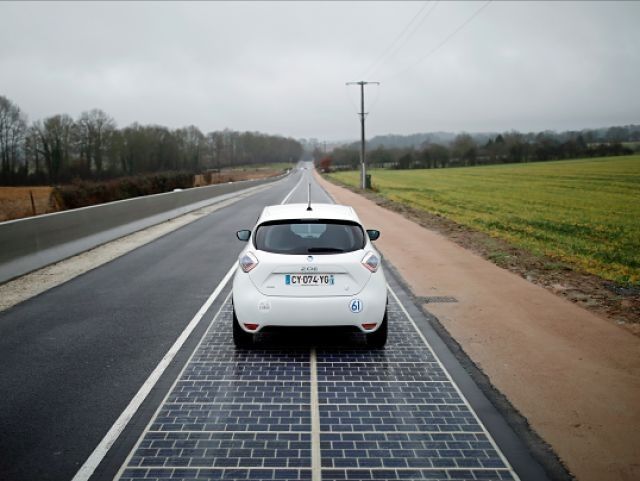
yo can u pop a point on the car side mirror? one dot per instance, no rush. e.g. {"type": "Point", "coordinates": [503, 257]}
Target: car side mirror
{"type": "Point", "coordinates": [373, 234]}
{"type": "Point", "coordinates": [243, 235]}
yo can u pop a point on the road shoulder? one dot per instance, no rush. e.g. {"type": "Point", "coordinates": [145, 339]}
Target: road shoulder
{"type": "Point", "coordinates": [29, 285]}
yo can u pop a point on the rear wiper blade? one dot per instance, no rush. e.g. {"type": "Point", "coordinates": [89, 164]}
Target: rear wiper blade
{"type": "Point", "coordinates": [324, 249]}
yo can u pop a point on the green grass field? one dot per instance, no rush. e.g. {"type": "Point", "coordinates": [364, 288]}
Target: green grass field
{"type": "Point", "coordinates": [583, 212]}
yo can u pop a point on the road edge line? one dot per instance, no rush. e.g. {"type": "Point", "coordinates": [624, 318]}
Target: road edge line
{"type": "Point", "coordinates": [95, 458]}
{"type": "Point", "coordinates": [504, 459]}
{"type": "Point", "coordinates": [146, 430]}
{"type": "Point", "coordinates": [288, 196]}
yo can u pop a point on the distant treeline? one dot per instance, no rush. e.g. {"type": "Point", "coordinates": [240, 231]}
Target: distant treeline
{"type": "Point", "coordinates": [59, 149]}
{"type": "Point", "coordinates": [627, 133]}
{"type": "Point", "coordinates": [509, 147]}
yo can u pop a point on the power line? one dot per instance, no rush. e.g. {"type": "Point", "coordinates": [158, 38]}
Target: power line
{"type": "Point", "coordinates": [395, 40]}
{"type": "Point", "coordinates": [415, 29]}
{"type": "Point", "coordinates": [445, 40]}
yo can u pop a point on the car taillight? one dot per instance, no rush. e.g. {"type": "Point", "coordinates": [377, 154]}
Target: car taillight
{"type": "Point", "coordinates": [248, 262]}
{"type": "Point", "coordinates": [371, 261]}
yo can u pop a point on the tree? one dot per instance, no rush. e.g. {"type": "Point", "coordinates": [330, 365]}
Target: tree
{"type": "Point", "coordinates": [496, 149]}
{"type": "Point", "coordinates": [379, 157]}
{"type": "Point", "coordinates": [13, 128]}
{"type": "Point", "coordinates": [517, 149]}
{"type": "Point", "coordinates": [546, 147]}
{"type": "Point", "coordinates": [438, 155]}
{"type": "Point", "coordinates": [465, 149]}
{"type": "Point", "coordinates": [95, 129]}
{"type": "Point", "coordinates": [617, 134]}
{"type": "Point", "coordinates": [134, 152]}
{"type": "Point", "coordinates": [33, 157]}
{"type": "Point", "coordinates": [346, 156]}
{"type": "Point", "coordinates": [54, 143]}
{"type": "Point", "coordinates": [115, 152]}
{"type": "Point", "coordinates": [192, 146]}
{"type": "Point", "coordinates": [325, 164]}
{"type": "Point", "coordinates": [214, 148]}
{"type": "Point", "coordinates": [405, 161]}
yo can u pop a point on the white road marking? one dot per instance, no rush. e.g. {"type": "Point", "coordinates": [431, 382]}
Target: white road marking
{"type": "Point", "coordinates": [284, 201]}
{"type": "Point", "coordinates": [96, 457]}
{"type": "Point", "coordinates": [306, 175]}
{"type": "Point", "coordinates": [98, 454]}
{"type": "Point", "coordinates": [316, 455]}
{"type": "Point", "coordinates": [178, 378]}
{"type": "Point", "coordinates": [446, 373]}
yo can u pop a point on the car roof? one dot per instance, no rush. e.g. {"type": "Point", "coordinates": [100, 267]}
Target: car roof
{"type": "Point", "coordinates": [299, 211]}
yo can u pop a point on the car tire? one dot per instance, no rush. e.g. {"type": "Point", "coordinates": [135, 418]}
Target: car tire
{"type": "Point", "coordinates": [241, 338]}
{"type": "Point", "coordinates": [378, 338]}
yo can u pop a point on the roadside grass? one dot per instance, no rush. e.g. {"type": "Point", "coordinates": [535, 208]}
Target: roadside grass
{"type": "Point", "coordinates": [584, 213]}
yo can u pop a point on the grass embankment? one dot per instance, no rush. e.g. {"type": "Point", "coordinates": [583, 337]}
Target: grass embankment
{"type": "Point", "coordinates": [585, 212]}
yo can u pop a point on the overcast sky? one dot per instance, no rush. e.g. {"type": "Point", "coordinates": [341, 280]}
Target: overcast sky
{"type": "Point", "coordinates": [281, 67]}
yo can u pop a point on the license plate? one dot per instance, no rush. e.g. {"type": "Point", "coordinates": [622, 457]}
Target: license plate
{"type": "Point", "coordinates": [309, 279]}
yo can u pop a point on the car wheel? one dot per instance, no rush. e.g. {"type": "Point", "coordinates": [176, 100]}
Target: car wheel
{"type": "Point", "coordinates": [241, 338]}
{"type": "Point", "coordinates": [378, 339]}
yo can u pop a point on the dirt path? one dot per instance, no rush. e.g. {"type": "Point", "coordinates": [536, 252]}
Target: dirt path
{"type": "Point", "coordinates": [573, 375]}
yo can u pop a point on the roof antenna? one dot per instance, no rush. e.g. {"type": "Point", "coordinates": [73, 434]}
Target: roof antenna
{"type": "Point", "coordinates": [309, 197]}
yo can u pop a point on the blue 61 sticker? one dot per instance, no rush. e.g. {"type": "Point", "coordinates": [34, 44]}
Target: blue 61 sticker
{"type": "Point", "coordinates": [355, 305]}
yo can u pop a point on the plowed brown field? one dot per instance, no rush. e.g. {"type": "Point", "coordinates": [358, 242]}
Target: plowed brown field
{"type": "Point", "coordinates": [15, 202]}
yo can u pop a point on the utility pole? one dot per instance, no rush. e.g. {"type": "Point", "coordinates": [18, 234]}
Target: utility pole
{"type": "Point", "coordinates": [362, 113]}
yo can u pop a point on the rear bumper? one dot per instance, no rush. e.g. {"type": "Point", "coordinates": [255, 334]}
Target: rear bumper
{"type": "Point", "coordinates": [253, 307]}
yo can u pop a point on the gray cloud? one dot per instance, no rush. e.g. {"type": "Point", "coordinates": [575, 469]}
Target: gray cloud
{"type": "Point", "coordinates": [280, 67]}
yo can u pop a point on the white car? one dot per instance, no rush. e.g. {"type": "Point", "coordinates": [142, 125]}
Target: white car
{"type": "Point", "coordinates": [309, 266]}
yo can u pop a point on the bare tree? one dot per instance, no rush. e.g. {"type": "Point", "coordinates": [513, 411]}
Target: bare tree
{"type": "Point", "coordinates": [13, 127]}
{"type": "Point", "coordinates": [55, 143]}
{"type": "Point", "coordinates": [59, 149]}
{"type": "Point", "coordinates": [95, 129]}
{"type": "Point", "coordinates": [214, 149]}
{"type": "Point", "coordinates": [192, 144]}
{"type": "Point", "coordinates": [32, 154]}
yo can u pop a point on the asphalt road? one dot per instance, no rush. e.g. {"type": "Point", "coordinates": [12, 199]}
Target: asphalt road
{"type": "Point", "coordinates": [73, 357]}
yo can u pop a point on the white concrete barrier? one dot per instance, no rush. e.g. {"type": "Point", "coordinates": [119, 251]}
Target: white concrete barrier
{"type": "Point", "coordinates": [34, 242]}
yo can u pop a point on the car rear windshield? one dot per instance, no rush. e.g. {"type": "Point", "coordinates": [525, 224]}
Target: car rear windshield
{"type": "Point", "coordinates": [309, 237]}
